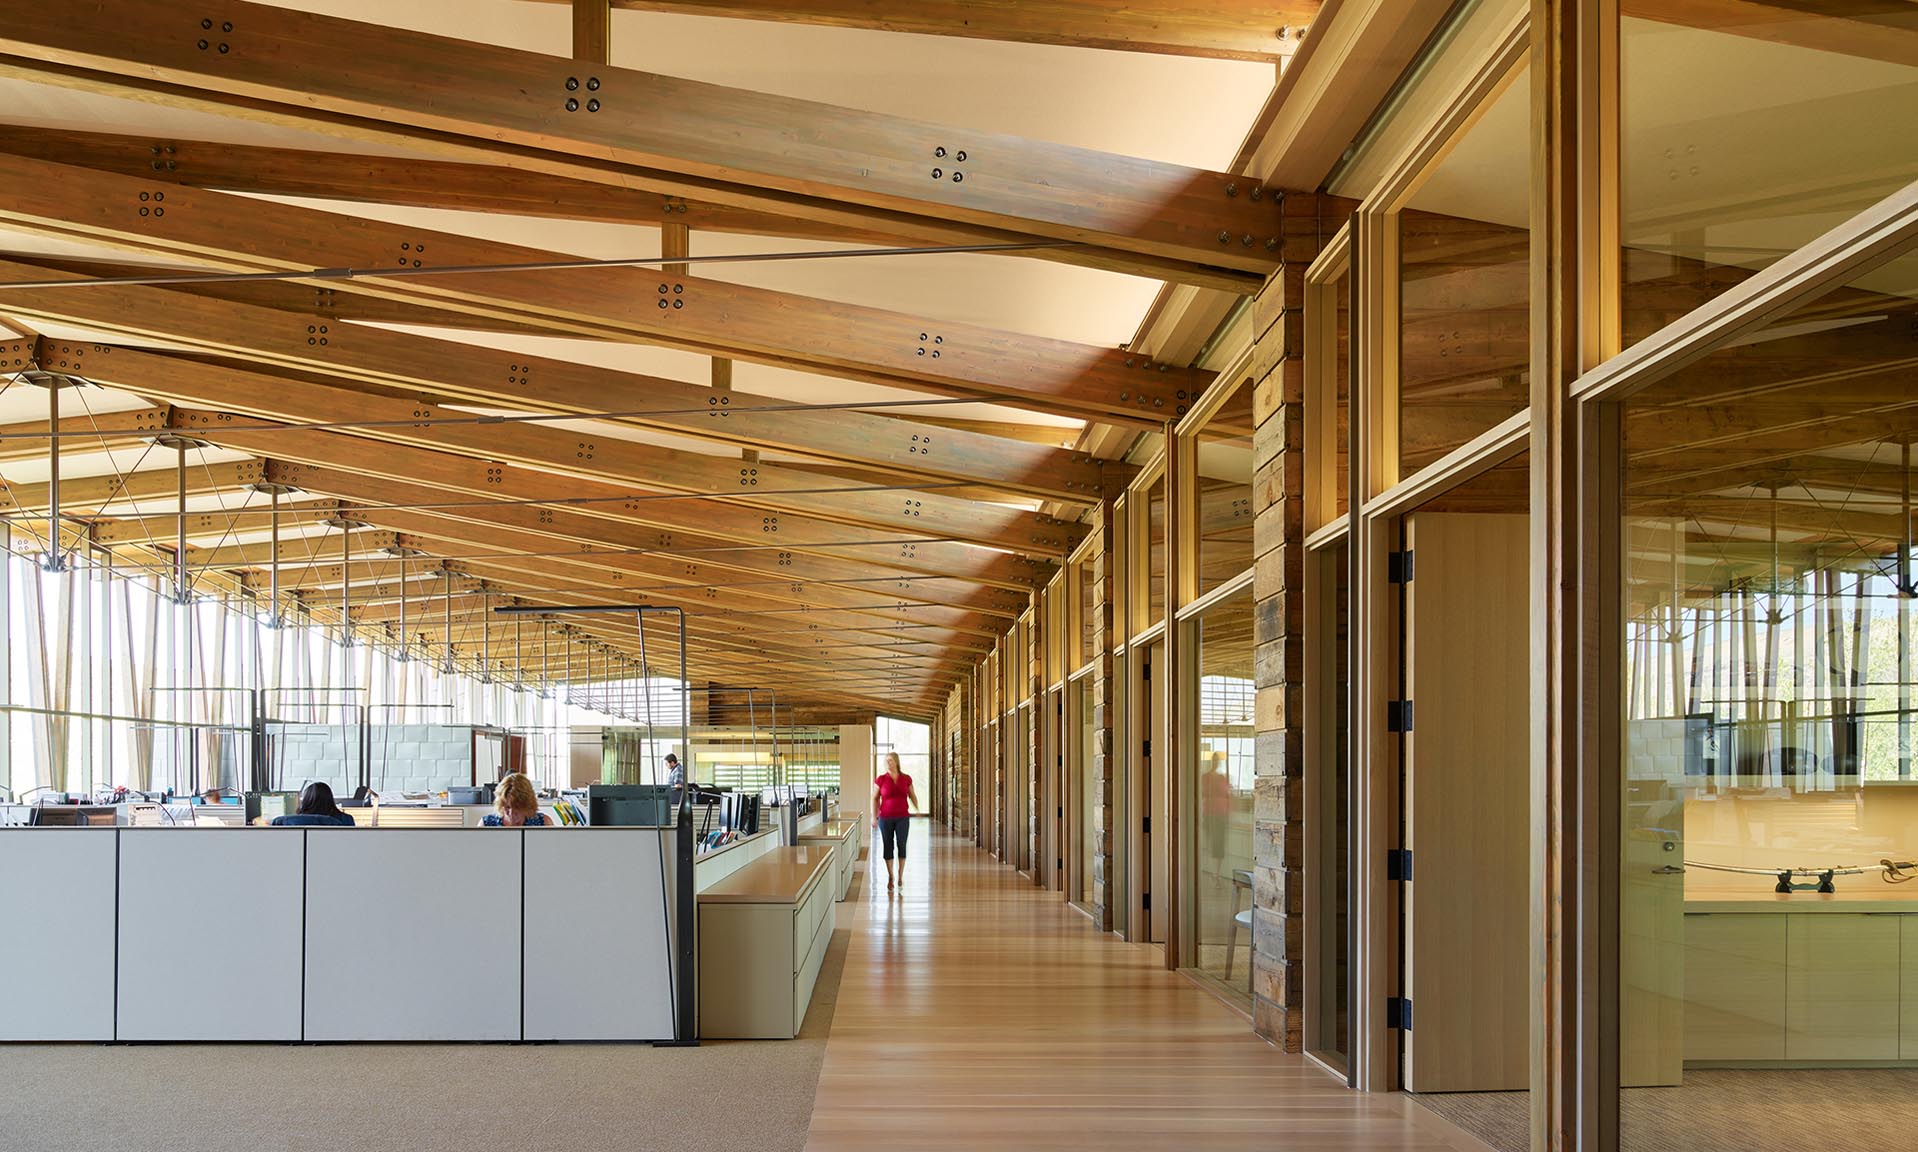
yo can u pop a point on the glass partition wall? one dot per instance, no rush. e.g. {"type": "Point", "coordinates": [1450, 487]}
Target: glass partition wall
{"type": "Point", "coordinates": [1749, 471]}
{"type": "Point", "coordinates": [1212, 635]}
{"type": "Point", "coordinates": [1768, 813]}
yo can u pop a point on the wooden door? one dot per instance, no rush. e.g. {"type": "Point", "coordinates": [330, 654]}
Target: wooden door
{"type": "Point", "coordinates": [1467, 802]}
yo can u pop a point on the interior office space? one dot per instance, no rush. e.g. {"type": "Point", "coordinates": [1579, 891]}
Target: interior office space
{"type": "Point", "coordinates": [1389, 525]}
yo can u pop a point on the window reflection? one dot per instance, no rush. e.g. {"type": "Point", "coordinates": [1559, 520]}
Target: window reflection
{"type": "Point", "coordinates": [1769, 633]}
{"type": "Point", "coordinates": [1748, 131]}
{"type": "Point", "coordinates": [1223, 876]}
{"type": "Point", "coordinates": [1464, 296]}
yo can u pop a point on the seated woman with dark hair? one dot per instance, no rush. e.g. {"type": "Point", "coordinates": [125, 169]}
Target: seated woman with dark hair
{"type": "Point", "coordinates": [316, 809]}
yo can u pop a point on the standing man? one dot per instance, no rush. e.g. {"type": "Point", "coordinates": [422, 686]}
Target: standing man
{"type": "Point", "coordinates": [675, 775]}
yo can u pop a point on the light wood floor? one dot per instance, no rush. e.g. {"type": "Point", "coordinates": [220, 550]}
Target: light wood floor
{"type": "Point", "coordinates": [978, 1012]}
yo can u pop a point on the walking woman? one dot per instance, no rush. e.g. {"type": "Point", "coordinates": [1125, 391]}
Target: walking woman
{"type": "Point", "coordinates": [893, 798]}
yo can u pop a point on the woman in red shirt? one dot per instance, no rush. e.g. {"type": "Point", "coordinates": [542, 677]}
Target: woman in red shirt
{"type": "Point", "coordinates": [893, 798]}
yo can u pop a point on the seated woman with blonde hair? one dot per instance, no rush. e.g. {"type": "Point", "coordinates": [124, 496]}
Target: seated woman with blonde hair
{"type": "Point", "coordinates": [518, 805]}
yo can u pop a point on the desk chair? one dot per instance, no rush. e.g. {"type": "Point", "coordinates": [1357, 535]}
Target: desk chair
{"type": "Point", "coordinates": [1241, 882]}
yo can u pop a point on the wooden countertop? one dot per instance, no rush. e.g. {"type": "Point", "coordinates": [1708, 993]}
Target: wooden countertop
{"type": "Point", "coordinates": [831, 830]}
{"type": "Point", "coordinates": [1878, 897]}
{"type": "Point", "coordinates": [779, 877]}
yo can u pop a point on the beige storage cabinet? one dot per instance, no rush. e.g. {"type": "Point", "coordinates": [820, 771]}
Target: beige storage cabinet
{"type": "Point", "coordinates": [1801, 980]}
{"type": "Point", "coordinates": [1735, 987]}
{"type": "Point", "coordinates": [843, 836]}
{"type": "Point", "coordinates": [763, 933]}
{"type": "Point", "coordinates": [1841, 987]}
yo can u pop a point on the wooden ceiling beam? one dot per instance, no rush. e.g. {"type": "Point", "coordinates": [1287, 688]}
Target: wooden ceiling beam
{"type": "Point", "coordinates": [1887, 32]}
{"type": "Point", "coordinates": [222, 396]}
{"type": "Point", "coordinates": [226, 232]}
{"type": "Point", "coordinates": [678, 541]}
{"type": "Point", "coordinates": [293, 516]}
{"type": "Point", "coordinates": [356, 178]}
{"type": "Point", "coordinates": [744, 148]}
{"type": "Point", "coordinates": [360, 547]}
{"type": "Point", "coordinates": [704, 634]}
{"type": "Point", "coordinates": [318, 585]}
{"type": "Point", "coordinates": [722, 570]}
{"type": "Point", "coordinates": [655, 573]}
{"type": "Point", "coordinates": [326, 462]}
{"type": "Point", "coordinates": [89, 496]}
{"type": "Point", "coordinates": [521, 647]}
{"type": "Point", "coordinates": [728, 661]}
{"type": "Point", "coordinates": [1264, 30]}
{"type": "Point", "coordinates": [748, 614]}
{"type": "Point", "coordinates": [717, 655]}
{"type": "Point", "coordinates": [84, 433]}
{"type": "Point", "coordinates": [754, 612]}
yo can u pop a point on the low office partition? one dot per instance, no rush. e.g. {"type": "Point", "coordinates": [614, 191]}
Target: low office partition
{"type": "Point", "coordinates": [335, 934]}
{"type": "Point", "coordinates": [714, 865]}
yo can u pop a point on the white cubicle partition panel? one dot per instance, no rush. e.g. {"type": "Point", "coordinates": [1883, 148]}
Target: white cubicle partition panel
{"type": "Point", "coordinates": [598, 957]}
{"type": "Point", "coordinates": [412, 934]}
{"type": "Point", "coordinates": [210, 934]}
{"type": "Point", "coordinates": [56, 933]}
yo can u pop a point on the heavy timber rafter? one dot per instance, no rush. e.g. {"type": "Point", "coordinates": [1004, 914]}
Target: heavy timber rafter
{"type": "Point", "coordinates": [731, 146]}
{"type": "Point", "coordinates": [1254, 31]}
{"type": "Point", "coordinates": [224, 232]}
{"type": "Point", "coordinates": [582, 453]}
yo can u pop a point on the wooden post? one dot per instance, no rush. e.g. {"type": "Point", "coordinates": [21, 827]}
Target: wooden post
{"type": "Point", "coordinates": [1576, 632]}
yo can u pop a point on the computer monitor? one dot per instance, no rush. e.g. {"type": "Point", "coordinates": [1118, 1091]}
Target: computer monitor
{"type": "Point", "coordinates": [629, 805]}
{"type": "Point", "coordinates": [267, 805]}
{"type": "Point", "coordinates": [55, 818]}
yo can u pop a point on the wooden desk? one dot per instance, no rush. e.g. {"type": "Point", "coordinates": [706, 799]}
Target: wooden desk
{"type": "Point", "coordinates": [844, 838]}
{"type": "Point", "coordinates": [763, 933]}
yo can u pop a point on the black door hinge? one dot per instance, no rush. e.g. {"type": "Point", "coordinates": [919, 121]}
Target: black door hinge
{"type": "Point", "coordinates": [1146, 905]}
{"type": "Point", "coordinates": [1061, 865]}
{"type": "Point", "coordinates": [1147, 748]}
{"type": "Point", "coordinates": [1062, 813]}
{"type": "Point", "coordinates": [1398, 567]}
{"type": "Point", "coordinates": [1398, 864]}
{"type": "Point", "coordinates": [1147, 671]}
{"type": "Point", "coordinates": [1145, 826]}
{"type": "Point", "coordinates": [1398, 1013]}
{"type": "Point", "coordinates": [1398, 716]}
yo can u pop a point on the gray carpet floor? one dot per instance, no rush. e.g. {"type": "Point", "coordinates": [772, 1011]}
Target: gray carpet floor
{"type": "Point", "coordinates": [1727, 1110]}
{"type": "Point", "coordinates": [419, 1097]}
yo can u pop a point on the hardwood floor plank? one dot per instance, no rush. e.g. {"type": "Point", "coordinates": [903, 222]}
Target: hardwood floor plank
{"type": "Point", "coordinates": [977, 1011]}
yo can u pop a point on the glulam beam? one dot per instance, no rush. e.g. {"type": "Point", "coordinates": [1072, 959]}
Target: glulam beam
{"type": "Point", "coordinates": [1263, 30]}
{"type": "Point", "coordinates": [637, 129]}
{"type": "Point", "coordinates": [239, 398]}
{"type": "Point", "coordinates": [220, 231]}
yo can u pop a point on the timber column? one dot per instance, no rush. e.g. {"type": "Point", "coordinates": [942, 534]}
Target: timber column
{"type": "Point", "coordinates": [1105, 766]}
{"type": "Point", "coordinates": [1278, 588]}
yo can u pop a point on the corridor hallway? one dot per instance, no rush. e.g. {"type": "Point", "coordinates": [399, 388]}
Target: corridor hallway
{"type": "Point", "coordinates": [979, 1012]}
